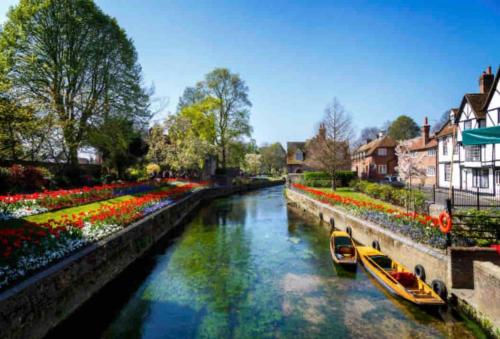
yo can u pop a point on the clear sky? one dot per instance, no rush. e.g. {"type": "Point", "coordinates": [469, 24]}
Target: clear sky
{"type": "Point", "coordinates": [379, 58]}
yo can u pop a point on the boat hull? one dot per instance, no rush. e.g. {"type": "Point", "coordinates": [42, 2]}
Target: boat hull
{"type": "Point", "coordinates": [348, 261]}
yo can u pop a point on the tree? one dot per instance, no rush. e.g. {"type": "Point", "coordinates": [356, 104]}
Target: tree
{"type": "Point", "coordinates": [443, 119]}
{"type": "Point", "coordinates": [68, 58]}
{"type": "Point", "coordinates": [186, 139]}
{"type": "Point", "coordinates": [120, 145]}
{"type": "Point", "coordinates": [403, 128]}
{"type": "Point", "coordinates": [329, 150]}
{"type": "Point", "coordinates": [409, 163]}
{"type": "Point", "coordinates": [273, 158]}
{"type": "Point", "coordinates": [230, 93]}
{"type": "Point", "coordinates": [367, 133]}
{"type": "Point", "coordinates": [253, 163]}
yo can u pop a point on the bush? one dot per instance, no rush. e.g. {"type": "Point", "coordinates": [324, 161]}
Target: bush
{"type": "Point", "coordinates": [33, 178]}
{"type": "Point", "coordinates": [323, 179]}
{"type": "Point", "coordinates": [397, 196]}
{"type": "Point", "coordinates": [152, 169]}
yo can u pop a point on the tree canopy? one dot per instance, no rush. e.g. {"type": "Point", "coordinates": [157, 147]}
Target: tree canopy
{"type": "Point", "coordinates": [403, 128]}
{"type": "Point", "coordinates": [69, 59]}
{"type": "Point", "coordinates": [229, 94]}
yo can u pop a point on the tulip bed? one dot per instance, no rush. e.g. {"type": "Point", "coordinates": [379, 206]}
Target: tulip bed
{"type": "Point", "coordinates": [31, 243]}
{"type": "Point", "coordinates": [22, 205]}
{"type": "Point", "coordinates": [419, 227]}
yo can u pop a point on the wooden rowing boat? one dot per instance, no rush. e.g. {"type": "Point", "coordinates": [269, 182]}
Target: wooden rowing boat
{"type": "Point", "coordinates": [342, 248]}
{"type": "Point", "coordinates": [396, 278]}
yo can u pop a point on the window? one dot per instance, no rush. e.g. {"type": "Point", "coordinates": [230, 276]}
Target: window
{"type": "Point", "coordinates": [382, 169]}
{"type": "Point", "coordinates": [299, 155]}
{"type": "Point", "coordinates": [480, 177]}
{"type": "Point", "coordinates": [497, 177]}
{"type": "Point", "coordinates": [445, 146]}
{"type": "Point", "coordinates": [431, 171]}
{"type": "Point", "coordinates": [456, 147]}
{"type": "Point", "coordinates": [482, 123]}
{"type": "Point", "coordinates": [467, 124]}
{"type": "Point", "coordinates": [447, 172]}
{"type": "Point", "coordinates": [473, 153]}
{"type": "Point", "coordinates": [431, 152]}
{"type": "Point", "coordinates": [382, 151]}
{"type": "Point", "coordinates": [413, 154]}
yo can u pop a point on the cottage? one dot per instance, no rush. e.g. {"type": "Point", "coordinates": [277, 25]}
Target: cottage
{"type": "Point", "coordinates": [375, 159]}
{"type": "Point", "coordinates": [473, 167]}
{"type": "Point", "coordinates": [417, 159]}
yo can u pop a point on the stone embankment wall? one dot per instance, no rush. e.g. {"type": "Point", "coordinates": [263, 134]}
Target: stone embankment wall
{"type": "Point", "coordinates": [34, 306]}
{"type": "Point", "coordinates": [402, 249]}
{"type": "Point", "coordinates": [487, 291]}
{"type": "Point", "coordinates": [462, 267]}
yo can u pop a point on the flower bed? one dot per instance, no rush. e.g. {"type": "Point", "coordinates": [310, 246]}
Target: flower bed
{"type": "Point", "coordinates": [22, 205]}
{"type": "Point", "coordinates": [419, 227]}
{"type": "Point", "coordinates": [28, 246]}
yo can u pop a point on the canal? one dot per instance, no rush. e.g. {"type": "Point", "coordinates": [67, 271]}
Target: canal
{"type": "Point", "coordinates": [249, 266]}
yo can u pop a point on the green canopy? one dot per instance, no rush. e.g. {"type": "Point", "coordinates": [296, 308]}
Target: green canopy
{"type": "Point", "coordinates": [481, 136]}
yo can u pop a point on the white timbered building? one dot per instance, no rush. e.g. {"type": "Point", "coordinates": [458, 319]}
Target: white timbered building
{"type": "Point", "coordinates": [476, 167]}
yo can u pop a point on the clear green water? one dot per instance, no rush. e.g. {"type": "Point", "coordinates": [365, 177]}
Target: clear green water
{"type": "Point", "coordinates": [250, 267]}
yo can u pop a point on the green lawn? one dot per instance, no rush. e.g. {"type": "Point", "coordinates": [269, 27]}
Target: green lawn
{"type": "Point", "coordinates": [349, 193]}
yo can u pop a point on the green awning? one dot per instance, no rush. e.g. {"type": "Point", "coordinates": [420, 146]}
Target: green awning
{"type": "Point", "coordinates": [481, 136]}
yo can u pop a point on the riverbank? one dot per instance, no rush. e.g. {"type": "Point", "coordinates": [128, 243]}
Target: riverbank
{"type": "Point", "coordinates": [454, 267]}
{"type": "Point", "coordinates": [34, 306]}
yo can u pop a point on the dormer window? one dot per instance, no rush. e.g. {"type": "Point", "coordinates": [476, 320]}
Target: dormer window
{"type": "Point", "coordinates": [299, 156]}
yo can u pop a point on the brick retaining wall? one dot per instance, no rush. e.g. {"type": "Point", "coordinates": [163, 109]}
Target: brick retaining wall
{"type": "Point", "coordinates": [34, 306]}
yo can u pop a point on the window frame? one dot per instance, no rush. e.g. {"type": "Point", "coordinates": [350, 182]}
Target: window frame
{"type": "Point", "coordinates": [473, 153]}
{"type": "Point", "coordinates": [433, 174]}
{"type": "Point", "coordinates": [382, 166]}
{"type": "Point", "coordinates": [382, 151]}
{"type": "Point", "coordinates": [447, 172]}
{"type": "Point", "coordinates": [478, 176]}
{"type": "Point", "coordinates": [467, 122]}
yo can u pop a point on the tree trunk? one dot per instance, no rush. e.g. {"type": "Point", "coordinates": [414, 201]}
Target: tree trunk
{"type": "Point", "coordinates": [334, 181]}
{"type": "Point", "coordinates": [223, 161]}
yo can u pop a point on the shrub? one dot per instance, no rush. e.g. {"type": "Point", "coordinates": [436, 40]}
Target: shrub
{"type": "Point", "coordinates": [323, 179]}
{"type": "Point", "coordinates": [152, 169]}
{"type": "Point", "coordinates": [33, 178]}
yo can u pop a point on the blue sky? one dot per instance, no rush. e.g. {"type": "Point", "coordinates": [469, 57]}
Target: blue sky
{"type": "Point", "coordinates": [379, 58]}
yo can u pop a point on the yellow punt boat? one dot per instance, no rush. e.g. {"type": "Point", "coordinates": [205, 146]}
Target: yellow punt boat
{"type": "Point", "coordinates": [396, 278]}
{"type": "Point", "coordinates": [342, 248]}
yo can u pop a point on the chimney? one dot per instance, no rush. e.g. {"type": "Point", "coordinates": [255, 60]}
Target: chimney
{"type": "Point", "coordinates": [322, 131]}
{"type": "Point", "coordinates": [486, 81]}
{"type": "Point", "coordinates": [425, 131]}
{"type": "Point", "coordinates": [368, 141]}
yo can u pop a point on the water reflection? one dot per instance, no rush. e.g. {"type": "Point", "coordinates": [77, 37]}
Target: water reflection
{"type": "Point", "coordinates": [248, 266]}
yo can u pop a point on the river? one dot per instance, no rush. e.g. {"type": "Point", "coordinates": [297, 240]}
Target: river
{"type": "Point", "coordinates": [250, 266]}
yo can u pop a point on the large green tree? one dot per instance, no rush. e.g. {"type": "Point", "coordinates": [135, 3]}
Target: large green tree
{"type": "Point", "coordinates": [273, 158]}
{"type": "Point", "coordinates": [68, 58]}
{"type": "Point", "coordinates": [230, 93]}
{"type": "Point", "coordinates": [403, 128]}
{"type": "Point", "coordinates": [186, 139]}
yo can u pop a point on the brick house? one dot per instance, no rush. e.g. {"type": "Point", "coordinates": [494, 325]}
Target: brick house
{"type": "Point", "coordinates": [375, 159]}
{"type": "Point", "coordinates": [295, 156]}
{"type": "Point", "coordinates": [421, 154]}
{"type": "Point", "coordinates": [300, 157]}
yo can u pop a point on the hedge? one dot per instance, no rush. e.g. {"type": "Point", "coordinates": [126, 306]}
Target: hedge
{"type": "Point", "coordinates": [322, 179]}
{"type": "Point", "coordinates": [397, 196]}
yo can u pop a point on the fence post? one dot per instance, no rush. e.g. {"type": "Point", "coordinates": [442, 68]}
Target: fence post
{"type": "Point", "coordinates": [448, 235]}
{"type": "Point", "coordinates": [453, 195]}
{"type": "Point", "coordinates": [477, 199]}
{"type": "Point", "coordinates": [434, 193]}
